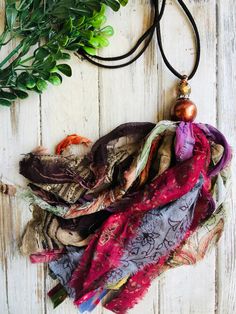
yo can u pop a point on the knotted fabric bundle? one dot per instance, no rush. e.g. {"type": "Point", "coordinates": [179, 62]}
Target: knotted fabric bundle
{"type": "Point", "coordinates": [140, 202]}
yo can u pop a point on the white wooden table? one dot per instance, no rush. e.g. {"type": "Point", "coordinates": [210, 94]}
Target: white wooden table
{"type": "Point", "coordinates": [94, 101]}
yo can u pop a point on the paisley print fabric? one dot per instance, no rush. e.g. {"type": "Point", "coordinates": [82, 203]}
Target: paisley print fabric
{"type": "Point", "coordinates": [161, 230]}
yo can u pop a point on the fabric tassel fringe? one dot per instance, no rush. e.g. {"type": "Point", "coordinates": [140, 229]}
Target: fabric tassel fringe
{"type": "Point", "coordinates": [140, 202]}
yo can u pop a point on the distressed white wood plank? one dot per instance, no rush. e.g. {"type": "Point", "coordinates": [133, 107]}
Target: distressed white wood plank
{"type": "Point", "coordinates": [3, 266]}
{"type": "Point", "coordinates": [130, 94]}
{"type": "Point", "coordinates": [23, 285]}
{"type": "Point", "coordinates": [188, 290]}
{"type": "Point", "coordinates": [20, 287]}
{"type": "Point", "coordinates": [73, 106]}
{"type": "Point", "coordinates": [226, 259]}
{"type": "Point", "coordinates": [15, 139]}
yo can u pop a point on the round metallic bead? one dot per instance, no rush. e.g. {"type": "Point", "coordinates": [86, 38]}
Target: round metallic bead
{"type": "Point", "coordinates": [184, 110]}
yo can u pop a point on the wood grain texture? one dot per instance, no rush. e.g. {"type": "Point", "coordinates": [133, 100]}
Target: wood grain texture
{"type": "Point", "coordinates": [94, 101]}
{"type": "Point", "coordinates": [226, 94]}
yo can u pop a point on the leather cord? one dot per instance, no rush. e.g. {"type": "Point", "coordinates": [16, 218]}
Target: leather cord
{"type": "Point", "coordinates": [146, 38]}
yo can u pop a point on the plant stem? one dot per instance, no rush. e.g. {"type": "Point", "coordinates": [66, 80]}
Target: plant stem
{"type": "Point", "coordinates": [6, 86]}
{"type": "Point", "coordinates": [11, 54]}
{"type": "Point", "coordinates": [27, 59]}
{"type": "Point", "coordinates": [24, 69]}
{"type": "Point", "coordinates": [3, 37]}
{"type": "Point", "coordinates": [20, 6]}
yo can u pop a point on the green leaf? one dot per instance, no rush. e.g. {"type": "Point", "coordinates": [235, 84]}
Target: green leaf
{"type": "Point", "coordinates": [55, 79]}
{"type": "Point", "coordinates": [41, 84]}
{"type": "Point", "coordinates": [43, 74]}
{"type": "Point", "coordinates": [20, 94]}
{"type": "Point", "coordinates": [107, 31]}
{"type": "Point", "coordinates": [98, 21]}
{"type": "Point", "coordinates": [4, 74]}
{"type": "Point", "coordinates": [112, 4]}
{"type": "Point", "coordinates": [74, 46]}
{"type": "Point", "coordinates": [103, 9]}
{"type": "Point", "coordinates": [57, 56]}
{"type": "Point", "coordinates": [47, 64]}
{"type": "Point", "coordinates": [81, 11]}
{"type": "Point", "coordinates": [94, 5]}
{"type": "Point", "coordinates": [30, 82]}
{"type": "Point", "coordinates": [11, 15]}
{"type": "Point", "coordinates": [54, 70]}
{"type": "Point", "coordinates": [41, 53]}
{"type": "Point", "coordinates": [65, 69]}
{"type": "Point", "coordinates": [123, 2]}
{"type": "Point", "coordinates": [63, 40]}
{"type": "Point", "coordinates": [21, 80]}
{"type": "Point", "coordinates": [103, 42]}
{"type": "Point", "coordinates": [99, 41]}
{"type": "Point", "coordinates": [23, 5]}
{"type": "Point", "coordinates": [35, 89]}
{"type": "Point", "coordinates": [26, 81]}
{"type": "Point", "coordinates": [91, 51]}
{"type": "Point", "coordinates": [5, 102]}
{"type": "Point", "coordinates": [23, 16]}
{"type": "Point", "coordinates": [54, 48]}
{"type": "Point", "coordinates": [65, 56]}
{"type": "Point", "coordinates": [68, 25]}
{"type": "Point", "coordinates": [94, 42]}
{"type": "Point", "coordinates": [61, 12]}
{"type": "Point", "coordinates": [25, 48]}
{"type": "Point", "coordinates": [36, 3]}
{"type": "Point", "coordinates": [36, 14]}
{"type": "Point", "coordinates": [80, 21]}
{"type": "Point", "coordinates": [7, 95]}
{"type": "Point", "coordinates": [87, 34]}
{"type": "Point", "coordinates": [20, 86]}
{"type": "Point", "coordinates": [34, 39]}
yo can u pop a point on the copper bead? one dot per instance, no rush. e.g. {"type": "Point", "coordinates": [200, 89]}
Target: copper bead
{"type": "Point", "coordinates": [184, 110]}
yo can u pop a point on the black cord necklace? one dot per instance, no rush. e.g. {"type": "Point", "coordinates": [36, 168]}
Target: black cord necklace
{"type": "Point", "coordinates": [146, 38]}
{"type": "Point", "coordinates": [198, 46]}
{"type": "Point", "coordinates": [184, 109]}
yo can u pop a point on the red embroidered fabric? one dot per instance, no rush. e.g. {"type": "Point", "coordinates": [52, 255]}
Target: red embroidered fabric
{"type": "Point", "coordinates": [105, 249]}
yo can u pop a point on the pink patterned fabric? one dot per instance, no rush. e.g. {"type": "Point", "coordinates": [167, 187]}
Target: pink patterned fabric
{"type": "Point", "coordinates": [105, 249]}
{"type": "Point", "coordinates": [46, 256]}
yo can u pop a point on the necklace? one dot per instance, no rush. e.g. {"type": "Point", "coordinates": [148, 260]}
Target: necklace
{"type": "Point", "coordinates": [184, 110]}
{"type": "Point", "coordinates": [119, 217]}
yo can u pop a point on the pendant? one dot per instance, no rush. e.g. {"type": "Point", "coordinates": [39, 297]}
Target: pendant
{"type": "Point", "coordinates": [184, 109]}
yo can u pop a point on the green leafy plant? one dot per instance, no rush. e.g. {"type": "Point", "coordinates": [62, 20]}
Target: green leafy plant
{"type": "Point", "coordinates": [51, 28]}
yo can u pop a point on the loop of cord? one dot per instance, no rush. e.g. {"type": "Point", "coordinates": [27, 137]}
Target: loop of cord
{"type": "Point", "coordinates": [146, 38]}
